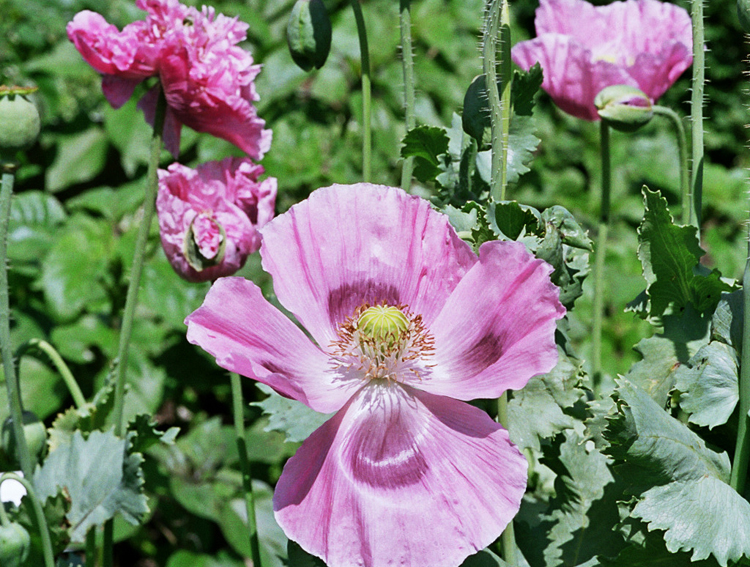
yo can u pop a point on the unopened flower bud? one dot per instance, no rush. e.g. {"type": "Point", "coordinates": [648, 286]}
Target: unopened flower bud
{"type": "Point", "coordinates": [19, 119]}
{"type": "Point", "coordinates": [309, 34]}
{"type": "Point", "coordinates": [623, 107]}
{"type": "Point", "coordinates": [15, 544]}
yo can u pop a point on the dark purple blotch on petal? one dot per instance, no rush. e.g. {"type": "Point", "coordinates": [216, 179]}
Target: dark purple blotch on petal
{"type": "Point", "coordinates": [343, 300]}
{"type": "Point", "coordinates": [484, 353]}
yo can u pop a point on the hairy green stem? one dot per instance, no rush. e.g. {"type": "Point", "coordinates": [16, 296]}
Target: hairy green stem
{"type": "Point", "coordinates": [247, 479]}
{"type": "Point", "coordinates": [11, 377]}
{"type": "Point", "coordinates": [59, 364]}
{"type": "Point", "coordinates": [682, 147]}
{"type": "Point", "coordinates": [407, 61]}
{"type": "Point", "coordinates": [41, 520]}
{"type": "Point", "coordinates": [131, 300]}
{"type": "Point", "coordinates": [601, 252]}
{"type": "Point", "coordinates": [508, 537]}
{"type": "Point", "coordinates": [742, 447]}
{"type": "Point", "coordinates": [366, 93]}
{"type": "Point", "coordinates": [696, 113]}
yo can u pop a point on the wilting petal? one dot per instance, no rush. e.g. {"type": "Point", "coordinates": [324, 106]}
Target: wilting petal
{"type": "Point", "coordinates": [571, 78]}
{"type": "Point", "coordinates": [401, 477]}
{"type": "Point", "coordinates": [249, 336]}
{"type": "Point", "coordinates": [347, 245]}
{"type": "Point", "coordinates": [497, 328]}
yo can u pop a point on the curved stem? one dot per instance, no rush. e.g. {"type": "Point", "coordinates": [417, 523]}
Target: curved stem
{"type": "Point", "coordinates": [60, 365]}
{"type": "Point", "coordinates": [682, 146]}
{"type": "Point", "coordinates": [11, 378]}
{"type": "Point", "coordinates": [742, 447]}
{"type": "Point", "coordinates": [696, 113]}
{"type": "Point", "coordinates": [366, 93]}
{"type": "Point", "coordinates": [41, 520]}
{"type": "Point", "coordinates": [131, 301]}
{"type": "Point", "coordinates": [407, 61]}
{"type": "Point", "coordinates": [247, 479]}
{"type": "Point", "coordinates": [601, 252]}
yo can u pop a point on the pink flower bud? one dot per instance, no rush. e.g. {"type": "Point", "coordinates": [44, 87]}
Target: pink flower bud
{"type": "Point", "coordinates": [209, 217]}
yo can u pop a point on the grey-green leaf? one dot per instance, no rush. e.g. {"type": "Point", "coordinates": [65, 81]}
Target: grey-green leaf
{"type": "Point", "coordinates": [293, 418]}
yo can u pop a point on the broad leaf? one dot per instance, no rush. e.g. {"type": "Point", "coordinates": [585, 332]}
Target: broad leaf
{"type": "Point", "coordinates": [35, 217]}
{"type": "Point", "coordinates": [142, 434]}
{"type": "Point", "coordinates": [425, 144]}
{"type": "Point", "coordinates": [93, 416]}
{"type": "Point", "coordinates": [703, 515]}
{"type": "Point", "coordinates": [99, 476]}
{"type": "Point", "coordinates": [290, 417]}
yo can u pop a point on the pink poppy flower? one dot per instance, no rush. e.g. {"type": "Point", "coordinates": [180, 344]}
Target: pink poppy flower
{"type": "Point", "coordinates": [206, 78]}
{"type": "Point", "coordinates": [406, 321]}
{"type": "Point", "coordinates": [582, 49]}
{"type": "Point", "coordinates": [209, 217]}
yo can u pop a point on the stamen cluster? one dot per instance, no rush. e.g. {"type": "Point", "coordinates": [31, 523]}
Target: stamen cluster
{"type": "Point", "coordinates": [383, 342]}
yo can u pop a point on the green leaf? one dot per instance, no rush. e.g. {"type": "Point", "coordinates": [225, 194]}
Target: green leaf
{"type": "Point", "coordinates": [35, 217]}
{"type": "Point", "coordinates": [709, 385]}
{"type": "Point", "coordinates": [652, 552]}
{"type": "Point", "coordinates": [130, 134]}
{"type": "Point", "coordinates": [76, 341]}
{"type": "Point", "coordinates": [100, 478]}
{"type": "Point", "coordinates": [511, 219]}
{"type": "Point", "coordinates": [524, 88]}
{"type": "Point", "coordinates": [484, 558]}
{"type": "Point", "coordinates": [669, 255]}
{"type": "Point", "coordinates": [538, 410]}
{"type": "Point", "coordinates": [80, 158]}
{"type": "Point", "coordinates": [142, 434]}
{"type": "Point", "coordinates": [425, 144]}
{"type": "Point", "coordinates": [298, 557]}
{"type": "Point", "coordinates": [703, 515]}
{"type": "Point", "coordinates": [92, 417]}
{"type": "Point", "coordinates": [55, 510]}
{"type": "Point", "coordinates": [655, 447]}
{"type": "Point", "coordinates": [112, 204]}
{"type": "Point", "coordinates": [184, 558]}
{"type": "Point", "coordinates": [726, 324]}
{"type": "Point", "coordinates": [293, 418]}
{"type": "Point", "coordinates": [522, 146]}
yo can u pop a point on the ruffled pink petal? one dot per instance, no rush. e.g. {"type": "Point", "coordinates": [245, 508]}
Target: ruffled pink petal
{"type": "Point", "coordinates": [497, 328]}
{"type": "Point", "coordinates": [249, 336]}
{"type": "Point", "coordinates": [571, 77]}
{"type": "Point", "coordinates": [172, 125]}
{"type": "Point", "coordinates": [347, 245]}
{"type": "Point", "coordinates": [401, 477]}
{"type": "Point", "coordinates": [655, 74]}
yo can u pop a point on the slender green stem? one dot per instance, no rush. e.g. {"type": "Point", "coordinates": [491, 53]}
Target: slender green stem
{"type": "Point", "coordinates": [11, 378]}
{"type": "Point", "coordinates": [682, 147]}
{"type": "Point", "coordinates": [696, 112]}
{"type": "Point", "coordinates": [91, 547]}
{"type": "Point", "coordinates": [366, 93]}
{"type": "Point", "coordinates": [59, 363]}
{"type": "Point", "coordinates": [247, 479]}
{"type": "Point", "coordinates": [407, 61]}
{"type": "Point", "coordinates": [504, 78]}
{"type": "Point", "coordinates": [601, 252]}
{"type": "Point", "coordinates": [742, 447]}
{"type": "Point", "coordinates": [489, 61]}
{"type": "Point", "coordinates": [508, 537]}
{"type": "Point", "coordinates": [131, 300]}
{"type": "Point", "coordinates": [41, 520]}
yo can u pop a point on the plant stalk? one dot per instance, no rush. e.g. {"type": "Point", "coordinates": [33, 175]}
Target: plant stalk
{"type": "Point", "coordinates": [59, 363]}
{"type": "Point", "coordinates": [407, 61]}
{"type": "Point", "coordinates": [508, 537]}
{"type": "Point", "coordinates": [696, 113]}
{"type": "Point", "coordinates": [682, 147]}
{"type": "Point", "coordinates": [601, 252]}
{"type": "Point", "coordinates": [366, 93]}
{"type": "Point", "coordinates": [247, 479]}
{"type": "Point", "coordinates": [11, 377]}
{"type": "Point", "coordinates": [41, 520]}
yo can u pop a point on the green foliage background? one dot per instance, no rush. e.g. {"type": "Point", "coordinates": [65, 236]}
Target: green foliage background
{"type": "Point", "coordinates": [80, 188]}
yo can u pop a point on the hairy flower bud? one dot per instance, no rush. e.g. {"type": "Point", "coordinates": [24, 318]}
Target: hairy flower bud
{"type": "Point", "coordinates": [623, 107]}
{"type": "Point", "coordinates": [743, 13]}
{"type": "Point", "coordinates": [19, 119]}
{"type": "Point", "coordinates": [308, 34]}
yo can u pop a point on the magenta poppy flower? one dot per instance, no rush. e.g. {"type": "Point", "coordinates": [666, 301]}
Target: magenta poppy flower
{"type": "Point", "coordinates": [209, 217]}
{"type": "Point", "coordinates": [407, 323]}
{"type": "Point", "coordinates": [206, 78]}
{"type": "Point", "coordinates": [582, 49]}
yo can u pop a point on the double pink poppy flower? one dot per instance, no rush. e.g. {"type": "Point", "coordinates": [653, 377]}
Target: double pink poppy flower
{"type": "Point", "coordinates": [583, 49]}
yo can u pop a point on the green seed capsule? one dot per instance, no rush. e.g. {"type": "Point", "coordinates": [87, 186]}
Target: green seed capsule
{"type": "Point", "coordinates": [623, 107]}
{"type": "Point", "coordinates": [19, 119]}
{"type": "Point", "coordinates": [14, 545]}
{"type": "Point", "coordinates": [308, 34]}
{"type": "Point", "coordinates": [34, 432]}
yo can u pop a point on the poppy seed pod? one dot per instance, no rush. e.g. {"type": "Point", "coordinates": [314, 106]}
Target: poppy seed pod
{"type": "Point", "coordinates": [19, 119]}
{"type": "Point", "coordinates": [15, 543]}
{"type": "Point", "coordinates": [308, 34]}
{"type": "Point", "coordinates": [623, 107]}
